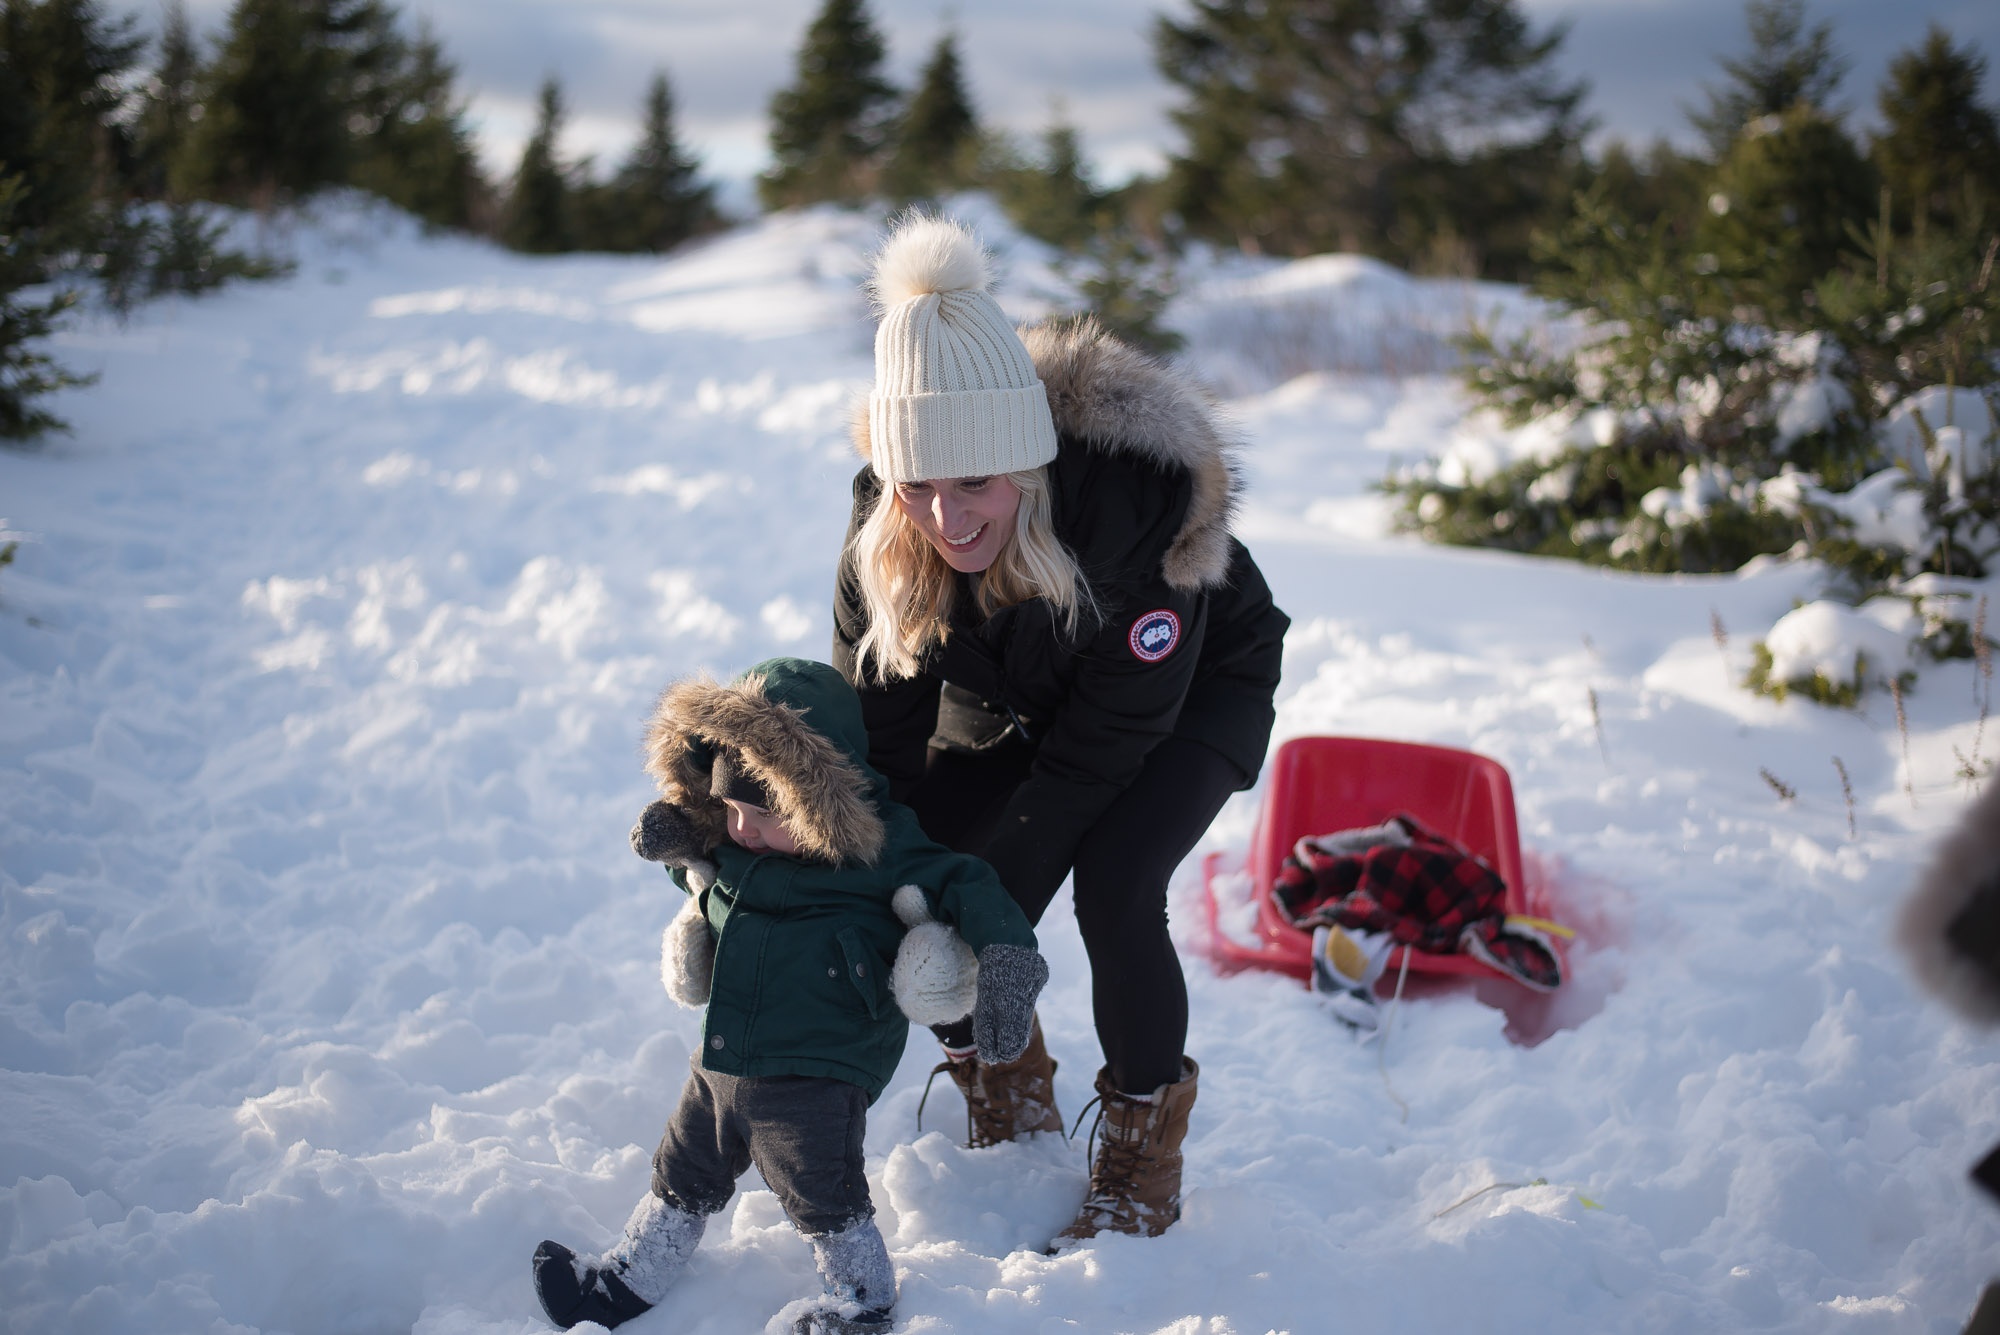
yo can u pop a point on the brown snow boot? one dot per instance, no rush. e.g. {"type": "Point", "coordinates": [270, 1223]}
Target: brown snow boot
{"type": "Point", "coordinates": [1007, 1101]}
{"type": "Point", "coordinates": [1135, 1174]}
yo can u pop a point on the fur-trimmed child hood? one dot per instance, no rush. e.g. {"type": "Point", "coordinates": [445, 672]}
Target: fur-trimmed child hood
{"type": "Point", "coordinates": [1106, 395]}
{"type": "Point", "coordinates": [797, 725]}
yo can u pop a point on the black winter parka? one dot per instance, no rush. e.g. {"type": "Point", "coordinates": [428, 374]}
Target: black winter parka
{"type": "Point", "coordinates": [1187, 640]}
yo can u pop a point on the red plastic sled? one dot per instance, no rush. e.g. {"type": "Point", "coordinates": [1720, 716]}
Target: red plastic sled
{"type": "Point", "coordinates": [1322, 784]}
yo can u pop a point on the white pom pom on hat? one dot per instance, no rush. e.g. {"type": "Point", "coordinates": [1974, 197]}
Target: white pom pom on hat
{"type": "Point", "coordinates": [926, 255]}
{"type": "Point", "coordinates": [956, 394]}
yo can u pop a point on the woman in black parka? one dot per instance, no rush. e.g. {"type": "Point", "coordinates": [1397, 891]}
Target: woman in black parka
{"type": "Point", "coordinates": [1066, 663]}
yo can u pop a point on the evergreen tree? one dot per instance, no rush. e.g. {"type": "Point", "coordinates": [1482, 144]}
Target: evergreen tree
{"type": "Point", "coordinates": [1659, 183]}
{"type": "Point", "coordinates": [1701, 342]}
{"type": "Point", "coordinates": [1053, 199]}
{"type": "Point", "coordinates": [538, 215]}
{"type": "Point", "coordinates": [828, 126]}
{"type": "Point", "coordinates": [656, 201]}
{"type": "Point", "coordinates": [71, 169]}
{"type": "Point", "coordinates": [26, 372]}
{"type": "Point", "coordinates": [275, 101]}
{"type": "Point", "coordinates": [937, 139]}
{"type": "Point", "coordinates": [1787, 64]}
{"type": "Point", "coordinates": [167, 105]}
{"type": "Point", "coordinates": [1939, 148]}
{"type": "Point", "coordinates": [61, 131]}
{"type": "Point", "coordinates": [1385, 126]}
{"type": "Point", "coordinates": [413, 146]}
{"type": "Point", "coordinates": [1781, 209]}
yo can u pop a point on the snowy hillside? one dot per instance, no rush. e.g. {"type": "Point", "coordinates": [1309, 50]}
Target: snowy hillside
{"type": "Point", "coordinates": [329, 983]}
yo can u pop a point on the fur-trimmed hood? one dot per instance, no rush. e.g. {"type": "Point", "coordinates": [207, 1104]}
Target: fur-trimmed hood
{"type": "Point", "coordinates": [1106, 395]}
{"type": "Point", "coordinates": [1950, 924]}
{"type": "Point", "coordinates": [797, 725]}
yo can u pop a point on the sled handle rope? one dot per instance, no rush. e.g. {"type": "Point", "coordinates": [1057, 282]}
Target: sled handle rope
{"type": "Point", "coordinates": [1389, 1019]}
{"type": "Point", "coordinates": [1581, 1199]}
{"type": "Point", "coordinates": [1382, 1047]}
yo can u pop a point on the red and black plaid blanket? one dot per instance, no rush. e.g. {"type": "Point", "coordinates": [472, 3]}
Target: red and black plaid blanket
{"type": "Point", "coordinates": [1420, 887]}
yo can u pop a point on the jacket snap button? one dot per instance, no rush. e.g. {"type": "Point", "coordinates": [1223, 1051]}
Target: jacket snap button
{"type": "Point", "coordinates": [716, 1042]}
{"type": "Point", "coordinates": [860, 971]}
{"type": "Point", "coordinates": [833, 973]}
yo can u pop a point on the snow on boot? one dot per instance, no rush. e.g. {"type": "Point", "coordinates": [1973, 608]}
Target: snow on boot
{"type": "Point", "coordinates": [860, 1284]}
{"type": "Point", "coordinates": [625, 1281]}
{"type": "Point", "coordinates": [1006, 1100]}
{"type": "Point", "coordinates": [1135, 1175]}
{"type": "Point", "coordinates": [844, 1319]}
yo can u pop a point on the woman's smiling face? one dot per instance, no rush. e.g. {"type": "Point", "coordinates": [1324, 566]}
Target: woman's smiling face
{"type": "Point", "coordinates": [968, 519]}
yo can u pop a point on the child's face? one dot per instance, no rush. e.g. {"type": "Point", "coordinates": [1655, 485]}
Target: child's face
{"type": "Point", "coordinates": [757, 829]}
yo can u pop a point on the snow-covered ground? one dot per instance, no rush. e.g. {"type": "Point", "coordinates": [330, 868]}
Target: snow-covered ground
{"type": "Point", "coordinates": [329, 982]}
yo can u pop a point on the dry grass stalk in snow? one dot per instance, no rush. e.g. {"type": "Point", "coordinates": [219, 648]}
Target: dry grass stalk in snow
{"type": "Point", "coordinates": [1903, 731]}
{"type": "Point", "coordinates": [1784, 790]}
{"type": "Point", "coordinates": [1847, 793]}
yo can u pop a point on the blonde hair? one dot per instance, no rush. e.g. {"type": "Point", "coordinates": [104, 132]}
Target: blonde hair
{"type": "Point", "coordinates": [908, 591]}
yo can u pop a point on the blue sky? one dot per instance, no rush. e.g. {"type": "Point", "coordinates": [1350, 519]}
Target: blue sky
{"type": "Point", "coordinates": [1645, 59]}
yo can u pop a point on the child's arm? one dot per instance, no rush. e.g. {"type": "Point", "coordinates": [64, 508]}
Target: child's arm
{"type": "Point", "coordinates": [665, 835]}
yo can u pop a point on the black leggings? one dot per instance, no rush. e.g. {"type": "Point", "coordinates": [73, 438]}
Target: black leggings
{"type": "Point", "coordinates": [1120, 877]}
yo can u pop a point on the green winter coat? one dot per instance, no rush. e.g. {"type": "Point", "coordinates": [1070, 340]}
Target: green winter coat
{"type": "Point", "coordinates": [804, 943]}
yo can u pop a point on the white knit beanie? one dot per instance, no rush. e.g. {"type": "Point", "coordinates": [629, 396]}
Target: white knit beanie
{"type": "Point", "coordinates": [955, 391]}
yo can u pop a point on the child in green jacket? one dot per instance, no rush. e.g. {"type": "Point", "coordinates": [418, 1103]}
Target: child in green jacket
{"type": "Point", "coordinates": [792, 851]}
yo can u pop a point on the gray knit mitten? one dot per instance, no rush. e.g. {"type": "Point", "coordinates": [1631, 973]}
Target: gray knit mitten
{"type": "Point", "coordinates": [1010, 978]}
{"type": "Point", "coordinates": [666, 834]}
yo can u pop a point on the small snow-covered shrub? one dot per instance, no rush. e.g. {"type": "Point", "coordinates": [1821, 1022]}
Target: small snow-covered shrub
{"type": "Point", "coordinates": [1721, 406]}
{"type": "Point", "coordinates": [1630, 505]}
{"type": "Point", "coordinates": [1831, 653]}
{"type": "Point", "coordinates": [1747, 397]}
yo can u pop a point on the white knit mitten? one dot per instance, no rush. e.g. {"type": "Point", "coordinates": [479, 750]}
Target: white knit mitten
{"type": "Point", "coordinates": [936, 977]}
{"type": "Point", "coordinates": [687, 955]}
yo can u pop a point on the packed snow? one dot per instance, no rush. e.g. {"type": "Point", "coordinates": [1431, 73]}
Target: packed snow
{"type": "Point", "coordinates": [330, 985]}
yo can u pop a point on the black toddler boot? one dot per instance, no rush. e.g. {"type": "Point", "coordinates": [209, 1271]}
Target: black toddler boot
{"type": "Point", "coordinates": [572, 1290]}
{"type": "Point", "coordinates": [636, 1273]}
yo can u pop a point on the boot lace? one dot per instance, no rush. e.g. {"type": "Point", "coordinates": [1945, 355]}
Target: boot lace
{"type": "Point", "coordinates": [944, 1068]}
{"type": "Point", "coordinates": [989, 1120]}
{"type": "Point", "coordinates": [1113, 1166]}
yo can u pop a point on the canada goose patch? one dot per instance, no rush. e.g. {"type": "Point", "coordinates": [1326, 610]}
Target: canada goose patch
{"type": "Point", "coordinates": [1155, 634]}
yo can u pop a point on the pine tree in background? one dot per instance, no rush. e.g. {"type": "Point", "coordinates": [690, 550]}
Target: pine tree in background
{"type": "Point", "coordinates": [1783, 203]}
{"type": "Point", "coordinates": [167, 105]}
{"type": "Point", "coordinates": [1749, 357]}
{"type": "Point", "coordinates": [828, 127]}
{"type": "Point", "coordinates": [64, 165]}
{"type": "Point", "coordinates": [538, 214]}
{"type": "Point", "coordinates": [26, 373]}
{"type": "Point", "coordinates": [1939, 148]}
{"type": "Point", "coordinates": [65, 66]}
{"type": "Point", "coordinates": [656, 201]}
{"type": "Point", "coordinates": [1409, 129]}
{"type": "Point", "coordinates": [412, 144]}
{"type": "Point", "coordinates": [1053, 198]}
{"type": "Point", "coordinates": [274, 113]}
{"type": "Point", "coordinates": [937, 137]}
{"type": "Point", "coordinates": [1787, 64]}
{"type": "Point", "coordinates": [1659, 183]}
